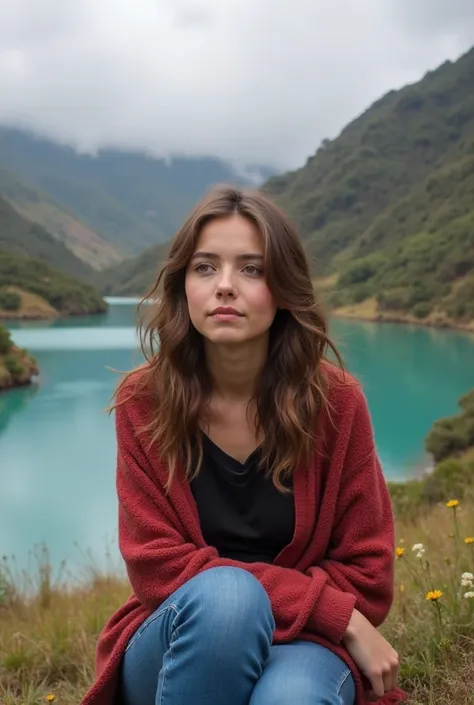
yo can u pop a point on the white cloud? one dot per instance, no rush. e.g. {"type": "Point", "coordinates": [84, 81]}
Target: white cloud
{"type": "Point", "coordinates": [252, 80]}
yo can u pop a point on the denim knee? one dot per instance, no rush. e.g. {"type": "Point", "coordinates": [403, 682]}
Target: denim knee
{"type": "Point", "coordinates": [229, 605]}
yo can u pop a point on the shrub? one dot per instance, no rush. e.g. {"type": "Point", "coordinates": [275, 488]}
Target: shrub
{"type": "Point", "coordinates": [450, 477]}
{"type": "Point", "coordinates": [422, 309]}
{"type": "Point", "coordinates": [446, 438]}
{"type": "Point", "coordinates": [447, 479]}
{"type": "Point", "coordinates": [5, 341]}
{"type": "Point", "coordinates": [362, 270]}
{"type": "Point", "coordinates": [394, 300]}
{"type": "Point", "coordinates": [9, 301]}
{"type": "Point", "coordinates": [361, 293]}
{"type": "Point", "coordinates": [13, 365]}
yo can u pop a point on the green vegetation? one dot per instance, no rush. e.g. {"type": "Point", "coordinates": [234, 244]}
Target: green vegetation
{"type": "Point", "coordinates": [451, 445]}
{"type": "Point", "coordinates": [37, 206]}
{"type": "Point", "coordinates": [32, 260]}
{"type": "Point", "coordinates": [453, 435]}
{"type": "Point", "coordinates": [9, 301]}
{"type": "Point", "coordinates": [49, 630]}
{"type": "Point", "coordinates": [386, 209]}
{"type": "Point", "coordinates": [133, 276]}
{"type": "Point", "coordinates": [22, 237]}
{"type": "Point", "coordinates": [132, 200]}
{"type": "Point", "coordinates": [16, 366]}
{"type": "Point", "coordinates": [65, 295]}
{"type": "Point", "coordinates": [389, 204]}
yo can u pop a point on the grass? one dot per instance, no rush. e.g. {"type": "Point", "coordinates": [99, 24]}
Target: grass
{"type": "Point", "coordinates": [49, 629]}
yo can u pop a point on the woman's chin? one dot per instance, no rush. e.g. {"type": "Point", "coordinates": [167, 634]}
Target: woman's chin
{"type": "Point", "coordinates": [223, 337]}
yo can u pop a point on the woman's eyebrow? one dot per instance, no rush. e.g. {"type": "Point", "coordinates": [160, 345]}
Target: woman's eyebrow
{"type": "Point", "coordinates": [213, 255]}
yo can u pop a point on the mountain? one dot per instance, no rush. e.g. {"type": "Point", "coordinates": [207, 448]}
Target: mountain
{"type": "Point", "coordinates": [387, 208]}
{"type": "Point", "coordinates": [132, 200]}
{"type": "Point", "coordinates": [30, 288]}
{"type": "Point", "coordinates": [133, 276]}
{"type": "Point", "coordinates": [39, 276]}
{"type": "Point", "coordinates": [30, 239]}
{"type": "Point", "coordinates": [37, 206]}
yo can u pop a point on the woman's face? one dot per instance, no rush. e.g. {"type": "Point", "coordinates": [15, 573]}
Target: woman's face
{"type": "Point", "coordinates": [226, 289]}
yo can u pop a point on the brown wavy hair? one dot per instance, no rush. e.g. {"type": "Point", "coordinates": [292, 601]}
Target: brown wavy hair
{"type": "Point", "coordinates": [292, 389]}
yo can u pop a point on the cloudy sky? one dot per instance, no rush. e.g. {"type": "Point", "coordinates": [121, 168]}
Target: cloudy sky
{"type": "Point", "coordinates": [251, 80]}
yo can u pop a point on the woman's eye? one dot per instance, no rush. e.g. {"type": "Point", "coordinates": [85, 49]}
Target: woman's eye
{"type": "Point", "coordinates": [203, 268]}
{"type": "Point", "coordinates": [252, 269]}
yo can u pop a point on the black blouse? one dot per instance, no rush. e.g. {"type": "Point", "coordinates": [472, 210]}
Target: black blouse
{"type": "Point", "coordinates": [241, 512]}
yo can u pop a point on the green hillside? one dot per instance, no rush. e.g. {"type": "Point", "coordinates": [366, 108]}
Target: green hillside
{"type": "Point", "coordinates": [30, 239]}
{"type": "Point", "coordinates": [37, 206]}
{"type": "Point", "coordinates": [16, 366]}
{"type": "Point", "coordinates": [131, 199]}
{"type": "Point", "coordinates": [387, 208]}
{"type": "Point", "coordinates": [134, 276]}
{"type": "Point", "coordinates": [31, 288]}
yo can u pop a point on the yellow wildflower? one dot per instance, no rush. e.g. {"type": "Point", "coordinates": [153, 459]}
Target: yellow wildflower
{"type": "Point", "coordinates": [50, 698]}
{"type": "Point", "coordinates": [402, 588]}
{"type": "Point", "coordinates": [399, 551]}
{"type": "Point", "coordinates": [469, 540]}
{"type": "Point", "coordinates": [452, 504]}
{"type": "Point", "coordinates": [434, 595]}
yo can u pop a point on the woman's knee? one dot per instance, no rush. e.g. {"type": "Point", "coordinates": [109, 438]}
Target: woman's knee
{"type": "Point", "coordinates": [306, 673]}
{"type": "Point", "coordinates": [229, 601]}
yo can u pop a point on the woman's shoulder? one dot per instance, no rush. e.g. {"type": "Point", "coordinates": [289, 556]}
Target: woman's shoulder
{"type": "Point", "coordinates": [344, 391]}
{"type": "Point", "coordinates": [136, 392]}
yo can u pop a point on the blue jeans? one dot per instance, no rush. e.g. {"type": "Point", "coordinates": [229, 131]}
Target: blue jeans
{"type": "Point", "coordinates": [210, 643]}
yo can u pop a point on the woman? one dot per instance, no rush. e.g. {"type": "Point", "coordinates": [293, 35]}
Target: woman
{"type": "Point", "coordinates": [254, 519]}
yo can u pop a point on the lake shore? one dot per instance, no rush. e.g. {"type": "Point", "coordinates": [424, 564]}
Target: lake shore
{"type": "Point", "coordinates": [367, 311]}
{"type": "Point", "coordinates": [17, 367]}
{"type": "Point", "coordinates": [37, 309]}
{"type": "Point", "coordinates": [33, 307]}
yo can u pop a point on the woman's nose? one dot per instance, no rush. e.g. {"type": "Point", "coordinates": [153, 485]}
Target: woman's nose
{"type": "Point", "coordinates": [225, 284]}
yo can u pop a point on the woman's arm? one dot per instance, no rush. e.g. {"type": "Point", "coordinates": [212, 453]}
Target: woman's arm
{"type": "Point", "coordinates": [159, 559]}
{"type": "Point", "coordinates": [361, 558]}
{"type": "Point", "coordinates": [357, 571]}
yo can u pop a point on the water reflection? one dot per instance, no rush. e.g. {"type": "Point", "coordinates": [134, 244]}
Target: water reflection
{"type": "Point", "coordinates": [12, 401]}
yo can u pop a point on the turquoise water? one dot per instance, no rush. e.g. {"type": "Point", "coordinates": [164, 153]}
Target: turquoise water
{"type": "Point", "coordinates": [57, 446]}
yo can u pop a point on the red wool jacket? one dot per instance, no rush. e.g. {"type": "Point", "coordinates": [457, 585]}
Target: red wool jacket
{"type": "Point", "coordinates": [341, 555]}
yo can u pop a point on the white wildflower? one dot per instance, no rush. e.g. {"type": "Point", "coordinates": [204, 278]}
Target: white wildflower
{"type": "Point", "coordinates": [419, 548]}
{"type": "Point", "coordinates": [469, 595]}
{"type": "Point", "coordinates": [467, 576]}
{"type": "Point", "coordinates": [467, 580]}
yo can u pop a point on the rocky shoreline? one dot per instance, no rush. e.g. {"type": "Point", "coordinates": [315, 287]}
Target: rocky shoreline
{"type": "Point", "coordinates": [440, 324]}
{"type": "Point", "coordinates": [17, 367]}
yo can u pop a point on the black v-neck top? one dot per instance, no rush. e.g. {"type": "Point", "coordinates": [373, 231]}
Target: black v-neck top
{"type": "Point", "coordinates": [241, 512]}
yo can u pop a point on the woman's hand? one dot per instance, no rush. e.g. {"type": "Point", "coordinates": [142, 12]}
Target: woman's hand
{"type": "Point", "coordinates": [373, 654]}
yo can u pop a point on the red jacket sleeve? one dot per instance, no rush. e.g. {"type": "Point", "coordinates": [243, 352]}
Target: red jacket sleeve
{"type": "Point", "coordinates": [361, 556]}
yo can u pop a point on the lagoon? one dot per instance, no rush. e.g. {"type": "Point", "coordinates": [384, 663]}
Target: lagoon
{"type": "Point", "coordinates": [57, 444]}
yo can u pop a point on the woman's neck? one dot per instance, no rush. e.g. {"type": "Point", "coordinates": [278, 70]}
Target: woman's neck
{"type": "Point", "coordinates": [235, 369]}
